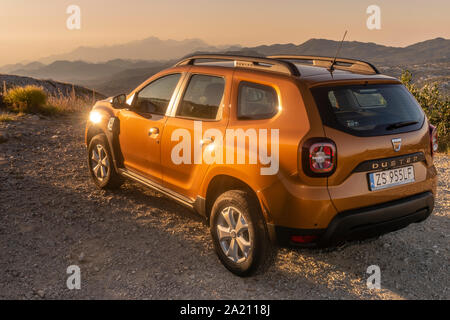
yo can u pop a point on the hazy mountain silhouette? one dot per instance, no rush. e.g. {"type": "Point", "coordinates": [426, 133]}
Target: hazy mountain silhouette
{"type": "Point", "coordinates": [150, 48]}
{"type": "Point", "coordinates": [129, 64]}
{"type": "Point", "coordinates": [26, 67]}
{"type": "Point", "coordinates": [76, 71]}
{"type": "Point", "coordinates": [427, 51]}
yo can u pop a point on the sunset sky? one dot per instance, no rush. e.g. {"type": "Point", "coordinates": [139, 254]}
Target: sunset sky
{"type": "Point", "coordinates": [33, 29]}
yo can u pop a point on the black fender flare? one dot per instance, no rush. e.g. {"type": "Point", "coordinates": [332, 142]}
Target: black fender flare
{"type": "Point", "coordinates": [111, 131]}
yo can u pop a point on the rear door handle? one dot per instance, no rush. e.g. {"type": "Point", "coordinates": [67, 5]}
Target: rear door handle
{"type": "Point", "coordinates": [153, 131]}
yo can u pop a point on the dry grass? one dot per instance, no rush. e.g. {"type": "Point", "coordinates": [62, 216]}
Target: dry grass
{"type": "Point", "coordinates": [32, 99]}
{"type": "Point", "coordinates": [5, 117]}
{"type": "Point", "coordinates": [10, 117]}
{"type": "Point", "coordinates": [70, 104]}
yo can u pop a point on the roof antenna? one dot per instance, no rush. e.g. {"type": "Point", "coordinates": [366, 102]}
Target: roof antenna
{"type": "Point", "coordinates": [337, 53]}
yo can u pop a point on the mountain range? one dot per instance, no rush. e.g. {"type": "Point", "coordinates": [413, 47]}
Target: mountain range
{"type": "Point", "coordinates": [151, 48]}
{"type": "Point", "coordinates": [129, 64]}
{"type": "Point", "coordinates": [435, 50]}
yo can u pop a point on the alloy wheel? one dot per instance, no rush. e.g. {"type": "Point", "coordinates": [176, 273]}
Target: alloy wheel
{"type": "Point", "coordinates": [99, 162]}
{"type": "Point", "coordinates": [234, 234]}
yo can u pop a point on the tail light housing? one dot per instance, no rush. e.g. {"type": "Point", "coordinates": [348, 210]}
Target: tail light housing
{"type": "Point", "coordinates": [433, 140]}
{"type": "Point", "coordinates": [319, 157]}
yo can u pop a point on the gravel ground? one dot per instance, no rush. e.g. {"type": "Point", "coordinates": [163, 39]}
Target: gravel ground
{"type": "Point", "coordinates": [135, 244]}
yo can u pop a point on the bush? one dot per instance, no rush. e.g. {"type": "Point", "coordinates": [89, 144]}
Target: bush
{"type": "Point", "coordinates": [435, 105]}
{"type": "Point", "coordinates": [29, 99]}
{"type": "Point", "coordinates": [33, 99]}
{"type": "Point", "coordinates": [2, 104]}
{"type": "Point", "coordinates": [6, 117]}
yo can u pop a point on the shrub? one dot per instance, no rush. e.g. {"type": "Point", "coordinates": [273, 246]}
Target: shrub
{"type": "Point", "coordinates": [29, 99]}
{"type": "Point", "coordinates": [32, 99]}
{"type": "Point", "coordinates": [435, 105]}
{"type": "Point", "coordinates": [6, 117]}
{"type": "Point", "coordinates": [2, 104]}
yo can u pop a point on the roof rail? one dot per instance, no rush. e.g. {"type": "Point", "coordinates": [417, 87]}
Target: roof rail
{"type": "Point", "coordinates": [351, 65]}
{"type": "Point", "coordinates": [259, 63]}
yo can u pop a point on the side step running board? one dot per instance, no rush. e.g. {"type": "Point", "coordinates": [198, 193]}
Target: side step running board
{"type": "Point", "coordinates": [157, 187]}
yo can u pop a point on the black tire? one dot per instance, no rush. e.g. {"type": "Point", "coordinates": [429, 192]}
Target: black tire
{"type": "Point", "coordinates": [262, 252]}
{"type": "Point", "coordinates": [109, 178]}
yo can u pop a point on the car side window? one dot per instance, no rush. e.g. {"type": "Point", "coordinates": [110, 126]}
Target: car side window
{"type": "Point", "coordinates": [202, 98]}
{"type": "Point", "coordinates": [256, 101]}
{"type": "Point", "coordinates": [156, 96]}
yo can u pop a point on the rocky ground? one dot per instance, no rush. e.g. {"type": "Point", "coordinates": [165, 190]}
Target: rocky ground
{"type": "Point", "coordinates": [135, 244]}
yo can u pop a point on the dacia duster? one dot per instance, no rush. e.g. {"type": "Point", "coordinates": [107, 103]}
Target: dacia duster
{"type": "Point", "coordinates": [284, 150]}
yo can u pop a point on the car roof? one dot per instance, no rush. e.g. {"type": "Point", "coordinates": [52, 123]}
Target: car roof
{"type": "Point", "coordinates": [309, 73]}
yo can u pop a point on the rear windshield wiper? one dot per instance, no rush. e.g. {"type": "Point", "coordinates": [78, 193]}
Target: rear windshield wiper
{"type": "Point", "coordinates": [400, 124]}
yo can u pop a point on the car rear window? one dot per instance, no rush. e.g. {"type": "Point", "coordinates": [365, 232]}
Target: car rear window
{"type": "Point", "coordinates": [369, 110]}
{"type": "Point", "coordinates": [256, 101]}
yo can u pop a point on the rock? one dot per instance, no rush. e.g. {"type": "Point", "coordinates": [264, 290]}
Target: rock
{"type": "Point", "coordinates": [35, 117]}
{"type": "Point", "coordinates": [81, 257]}
{"type": "Point", "coordinates": [41, 293]}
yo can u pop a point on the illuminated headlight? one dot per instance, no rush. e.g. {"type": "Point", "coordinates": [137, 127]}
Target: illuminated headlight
{"type": "Point", "coordinates": [95, 117]}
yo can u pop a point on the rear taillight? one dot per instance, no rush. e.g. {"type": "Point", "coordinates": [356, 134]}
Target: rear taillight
{"type": "Point", "coordinates": [322, 157]}
{"type": "Point", "coordinates": [319, 157]}
{"type": "Point", "coordinates": [433, 139]}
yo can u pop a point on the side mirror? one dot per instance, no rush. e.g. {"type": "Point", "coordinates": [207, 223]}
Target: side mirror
{"type": "Point", "coordinates": [120, 101]}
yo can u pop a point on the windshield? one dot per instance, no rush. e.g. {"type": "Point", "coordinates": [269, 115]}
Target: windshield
{"type": "Point", "coordinates": [369, 110]}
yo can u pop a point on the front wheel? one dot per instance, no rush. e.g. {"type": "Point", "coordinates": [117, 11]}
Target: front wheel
{"type": "Point", "coordinates": [240, 234]}
{"type": "Point", "coordinates": [100, 164]}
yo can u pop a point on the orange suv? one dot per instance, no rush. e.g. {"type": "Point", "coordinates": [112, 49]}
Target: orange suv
{"type": "Point", "coordinates": [284, 150]}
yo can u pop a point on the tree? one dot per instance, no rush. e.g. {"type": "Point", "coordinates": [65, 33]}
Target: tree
{"type": "Point", "coordinates": [435, 105]}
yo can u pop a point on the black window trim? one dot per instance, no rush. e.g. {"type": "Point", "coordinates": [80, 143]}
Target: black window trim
{"type": "Point", "coordinates": [183, 91]}
{"type": "Point", "coordinates": [174, 93]}
{"type": "Point", "coordinates": [258, 117]}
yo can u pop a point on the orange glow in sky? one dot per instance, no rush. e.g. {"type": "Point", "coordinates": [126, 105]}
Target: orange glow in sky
{"type": "Point", "coordinates": [34, 29]}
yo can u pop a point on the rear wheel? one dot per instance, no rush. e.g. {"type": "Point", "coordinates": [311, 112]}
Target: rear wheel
{"type": "Point", "coordinates": [100, 164]}
{"type": "Point", "coordinates": [240, 234]}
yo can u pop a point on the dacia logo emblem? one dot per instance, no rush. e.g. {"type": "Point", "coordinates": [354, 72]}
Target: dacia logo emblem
{"type": "Point", "coordinates": [397, 144]}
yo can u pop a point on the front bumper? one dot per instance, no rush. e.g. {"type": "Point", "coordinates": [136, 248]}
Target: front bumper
{"type": "Point", "coordinates": [361, 223]}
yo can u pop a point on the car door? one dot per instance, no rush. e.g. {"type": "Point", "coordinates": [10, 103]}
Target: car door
{"type": "Point", "coordinates": [142, 125]}
{"type": "Point", "coordinates": [200, 107]}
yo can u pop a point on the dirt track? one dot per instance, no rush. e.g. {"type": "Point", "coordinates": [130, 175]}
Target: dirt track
{"type": "Point", "coordinates": [135, 244]}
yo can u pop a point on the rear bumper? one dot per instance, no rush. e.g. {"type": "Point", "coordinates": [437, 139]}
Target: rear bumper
{"type": "Point", "coordinates": [361, 223]}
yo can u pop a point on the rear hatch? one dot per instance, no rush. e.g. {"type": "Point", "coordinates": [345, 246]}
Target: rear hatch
{"type": "Point", "coordinates": [382, 142]}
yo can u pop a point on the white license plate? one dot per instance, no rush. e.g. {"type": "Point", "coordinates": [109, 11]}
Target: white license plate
{"type": "Point", "coordinates": [390, 178]}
